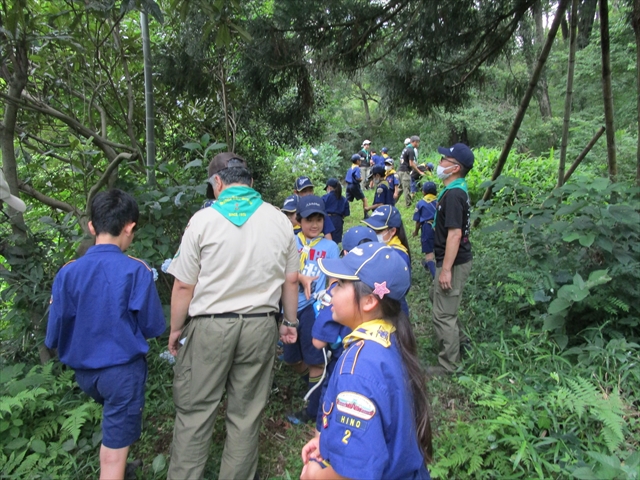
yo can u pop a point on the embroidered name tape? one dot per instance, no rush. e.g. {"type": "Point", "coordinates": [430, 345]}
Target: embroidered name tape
{"type": "Point", "coordinates": [355, 405]}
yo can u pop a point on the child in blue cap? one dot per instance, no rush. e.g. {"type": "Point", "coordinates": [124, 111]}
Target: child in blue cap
{"type": "Point", "coordinates": [326, 333]}
{"type": "Point", "coordinates": [375, 420]}
{"type": "Point", "coordinates": [312, 246]}
{"type": "Point", "coordinates": [423, 216]}
{"type": "Point", "coordinates": [303, 187]}
{"type": "Point", "coordinates": [289, 207]}
{"type": "Point", "coordinates": [337, 207]}
{"type": "Point", "coordinates": [353, 179]}
{"type": "Point", "coordinates": [387, 223]}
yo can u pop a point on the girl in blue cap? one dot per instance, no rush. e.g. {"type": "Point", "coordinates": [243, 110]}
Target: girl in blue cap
{"type": "Point", "coordinates": [375, 421]}
{"type": "Point", "coordinates": [386, 221]}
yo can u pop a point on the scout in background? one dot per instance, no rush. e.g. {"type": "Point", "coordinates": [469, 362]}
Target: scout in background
{"type": "Point", "coordinates": [423, 216]}
{"type": "Point", "coordinates": [337, 207]}
{"type": "Point", "coordinates": [326, 333]}
{"type": "Point", "coordinates": [303, 187]}
{"type": "Point", "coordinates": [392, 179]}
{"type": "Point", "coordinates": [353, 179]}
{"type": "Point", "coordinates": [375, 420]}
{"type": "Point", "coordinates": [384, 194]}
{"type": "Point", "coordinates": [289, 207]}
{"type": "Point", "coordinates": [387, 223]}
{"type": "Point", "coordinates": [302, 356]}
{"type": "Point", "coordinates": [103, 308]}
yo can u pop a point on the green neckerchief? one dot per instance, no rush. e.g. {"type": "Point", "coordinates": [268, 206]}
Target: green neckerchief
{"type": "Point", "coordinates": [237, 204]}
{"type": "Point", "coordinates": [460, 183]}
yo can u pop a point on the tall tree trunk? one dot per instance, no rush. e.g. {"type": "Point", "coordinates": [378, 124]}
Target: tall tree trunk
{"type": "Point", "coordinates": [607, 92]}
{"type": "Point", "coordinates": [569, 94]}
{"type": "Point", "coordinates": [542, 92]}
{"type": "Point", "coordinates": [586, 16]}
{"type": "Point", "coordinates": [365, 103]}
{"type": "Point", "coordinates": [635, 21]}
{"type": "Point", "coordinates": [544, 54]}
{"type": "Point", "coordinates": [225, 107]}
{"type": "Point", "coordinates": [148, 99]}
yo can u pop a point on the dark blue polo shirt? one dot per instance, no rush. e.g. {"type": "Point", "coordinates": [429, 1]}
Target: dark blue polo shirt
{"type": "Point", "coordinates": [103, 308]}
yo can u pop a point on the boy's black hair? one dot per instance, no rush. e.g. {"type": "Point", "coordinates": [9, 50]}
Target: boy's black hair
{"type": "Point", "coordinates": [112, 210]}
{"type": "Point", "coordinates": [299, 217]}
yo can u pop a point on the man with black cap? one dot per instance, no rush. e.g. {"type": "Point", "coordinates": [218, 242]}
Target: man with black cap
{"type": "Point", "coordinates": [453, 255]}
{"type": "Point", "coordinates": [236, 260]}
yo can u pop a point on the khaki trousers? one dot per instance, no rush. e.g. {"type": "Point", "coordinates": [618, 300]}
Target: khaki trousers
{"type": "Point", "coordinates": [405, 187]}
{"type": "Point", "coordinates": [232, 353]}
{"type": "Point", "coordinates": [446, 324]}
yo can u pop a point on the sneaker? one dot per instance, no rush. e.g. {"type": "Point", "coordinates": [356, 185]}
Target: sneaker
{"type": "Point", "coordinates": [299, 418]}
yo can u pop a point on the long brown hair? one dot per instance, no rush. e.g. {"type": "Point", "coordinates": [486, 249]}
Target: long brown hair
{"type": "Point", "coordinates": [408, 348]}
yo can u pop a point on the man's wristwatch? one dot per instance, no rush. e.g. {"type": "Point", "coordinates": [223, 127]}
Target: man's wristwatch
{"type": "Point", "coordinates": [287, 323]}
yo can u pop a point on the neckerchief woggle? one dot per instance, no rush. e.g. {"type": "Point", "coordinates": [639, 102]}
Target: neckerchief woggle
{"type": "Point", "coordinates": [460, 183]}
{"type": "Point", "coordinates": [378, 331]}
{"type": "Point", "coordinates": [306, 247]}
{"type": "Point", "coordinates": [237, 204]}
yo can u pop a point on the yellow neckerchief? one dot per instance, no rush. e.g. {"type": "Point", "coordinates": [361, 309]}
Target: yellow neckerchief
{"type": "Point", "coordinates": [429, 197]}
{"type": "Point", "coordinates": [306, 247]}
{"type": "Point", "coordinates": [378, 331]}
{"type": "Point", "coordinates": [395, 243]}
{"type": "Point", "coordinates": [390, 172]}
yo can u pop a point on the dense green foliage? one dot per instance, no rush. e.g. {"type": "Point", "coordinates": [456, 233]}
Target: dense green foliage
{"type": "Point", "coordinates": [549, 389]}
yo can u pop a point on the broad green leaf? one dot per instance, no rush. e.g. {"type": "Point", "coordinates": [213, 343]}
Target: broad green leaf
{"type": "Point", "coordinates": [39, 446]}
{"type": "Point", "coordinates": [193, 163]}
{"type": "Point", "coordinates": [558, 305]}
{"type": "Point", "coordinates": [577, 281]}
{"type": "Point", "coordinates": [570, 237]}
{"type": "Point", "coordinates": [551, 322]}
{"type": "Point", "coordinates": [605, 244]}
{"type": "Point", "coordinates": [561, 340]}
{"type": "Point", "coordinates": [223, 38]}
{"type": "Point", "coordinates": [159, 463]}
{"type": "Point", "coordinates": [584, 473]}
{"type": "Point", "coordinates": [587, 240]}
{"type": "Point", "coordinates": [600, 184]}
{"type": "Point", "coordinates": [204, 139]}
{"type": "Point", "coordinates": [192, 146]}
{"type": "Point", "coordinates": [16, 443]}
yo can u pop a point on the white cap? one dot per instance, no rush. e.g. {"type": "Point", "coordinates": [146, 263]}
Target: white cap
{"type": "Point", "coordinates": [366, 142]}
{"type": "Point", "coordinates": [5, 195]}
{"type": "Point", "coordinates": [407, 141]}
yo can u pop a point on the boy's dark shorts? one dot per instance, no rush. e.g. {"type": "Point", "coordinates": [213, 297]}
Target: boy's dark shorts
{"type": "Point", "coordinates": [354, 192]}
{"type": "Point", "coordinates": [121, 390]}
{"type": "Point", "coordinates": [303, 349]}
{"type": "Point", "coordinates": [426, 238]}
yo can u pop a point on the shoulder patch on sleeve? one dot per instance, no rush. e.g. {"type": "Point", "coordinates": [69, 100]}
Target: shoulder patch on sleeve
{"type": "Point", "coordinates": [141, 261]}
{"type": "Point", "coordinates": [350, 358]}
{"type": "Point", "coordinates": [356, 405]}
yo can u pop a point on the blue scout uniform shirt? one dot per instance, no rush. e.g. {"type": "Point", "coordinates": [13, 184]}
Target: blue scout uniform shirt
{"type": "Point", "coordinates": [378, 160]}
{"type": "Point", "coordinates": [325, 329]}
{"type": "Point", "coordinates": [103, 307]}
{"type": "Point", "coordinates": [425, 211]}
{"type": "Point", "coordinates": [316, 249]}
{"type": "Point", "coordinates": [353, 175]}
{"type": "Point", "coordinates": [384, 194]}
{"type": "Point", "coordinates": [333, 206]}
{"type": "Point", "coordinates": [368, 429]}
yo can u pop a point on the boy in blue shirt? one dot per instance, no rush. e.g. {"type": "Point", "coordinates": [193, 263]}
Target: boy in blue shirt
{"type": "Point", "coordinates": [353, 179]}
{"type": "Point", "coordinates": [103, 308]}
{"type": "Point", "coordinates": [312, 246]}
{"type": "Point", "coordinates": [392, 179]}
{"type": "Point", "coordinates": [423, 216]}
{"type": "Point", "coordinates": [384, 193]}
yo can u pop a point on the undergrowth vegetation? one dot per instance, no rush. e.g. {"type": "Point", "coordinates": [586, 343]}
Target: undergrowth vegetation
{"type": "Point", "coordinates": [548, 390]}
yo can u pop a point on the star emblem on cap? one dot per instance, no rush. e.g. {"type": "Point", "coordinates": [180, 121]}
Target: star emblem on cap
{"type": "Point", "coordinates": [381, 289]}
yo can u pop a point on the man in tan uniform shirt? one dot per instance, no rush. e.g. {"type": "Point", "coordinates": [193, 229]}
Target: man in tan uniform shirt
{"type": "Point", "coordinates": [237, 258]}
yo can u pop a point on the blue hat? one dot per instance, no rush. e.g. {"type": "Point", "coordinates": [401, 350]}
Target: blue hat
{"type": "Point", "coordinates": [384, 150]}
{"type": "Point", "coordinates": [290, 204]}
{"type": "Point", "coordinates": [384, 217]}
{"type": "Point", "coordinates": [332, 182]}
{"type": "Point", "coordinates": [310, 204]}
{"type": "Point", "coordinates": [430, 166]}
{"type": "Point", "coordinates": [460, 152]}
{"type": "Point", "coordinates": [377, 170]}
{"type": "Point", "coordinates": [388, 161]}
{"type": "Point", "coordinates": [356, 235]}
{"type": "Point", "coordinates": [376, 265]}
{"type": "Point", "coordinates": [429, 187]}
{"type": "Point", "coordinates": [302, 183]}
{"type": "Point", "coordinates": [355, 157]}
